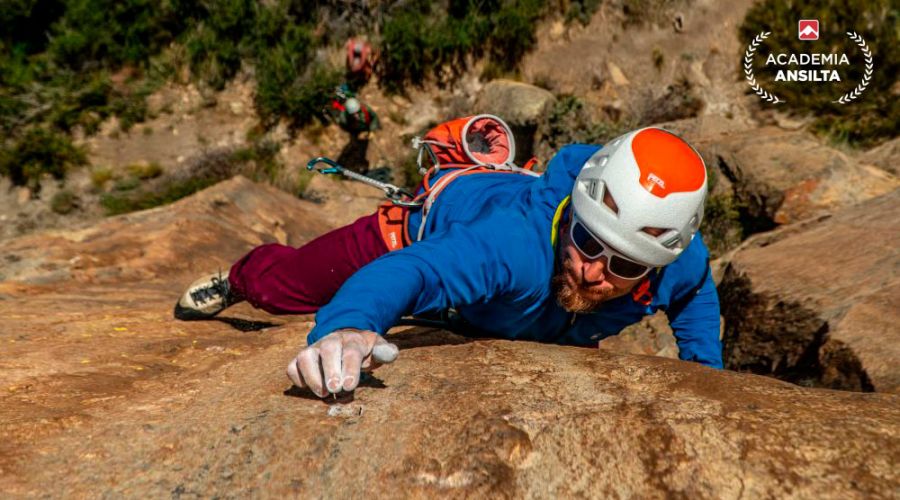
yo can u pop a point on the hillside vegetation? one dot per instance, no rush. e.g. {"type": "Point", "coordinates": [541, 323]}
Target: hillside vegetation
{"type": "Point", "coordinates": [68, 65]}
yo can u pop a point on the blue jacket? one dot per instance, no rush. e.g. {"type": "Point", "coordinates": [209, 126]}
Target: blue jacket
{"type": "Point", "coordinates": [487, 252]}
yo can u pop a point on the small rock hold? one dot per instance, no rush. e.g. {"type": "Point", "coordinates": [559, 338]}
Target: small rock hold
{"type": "Point", "coordinates": [618, 77]}
{"type": "Point", "coordinates": [345, 410]}
{"type": "Point", "coordinates": [678, 22]}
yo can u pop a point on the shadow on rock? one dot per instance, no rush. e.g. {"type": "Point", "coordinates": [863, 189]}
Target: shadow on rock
{"type": "Point", "coordinates": [353, 155]}
{"type": "Point", "coordinates": [246, 325]}
{"type": "Point", "coordinates": [366, 380]}
{"type": "Point", "coordinates": [426, 337]}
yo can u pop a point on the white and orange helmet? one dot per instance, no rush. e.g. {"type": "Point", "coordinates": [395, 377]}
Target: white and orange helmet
{"type": "Point", "coordinates": [646, 182]}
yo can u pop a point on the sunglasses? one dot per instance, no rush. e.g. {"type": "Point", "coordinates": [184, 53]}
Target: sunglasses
{"type": "Point", "coordinates": [591, 247]}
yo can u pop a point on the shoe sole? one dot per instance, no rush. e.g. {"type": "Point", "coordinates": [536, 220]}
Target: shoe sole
{"type": "Point", "coordinates": [188, 314]}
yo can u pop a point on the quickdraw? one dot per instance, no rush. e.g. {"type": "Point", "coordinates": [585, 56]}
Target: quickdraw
{"type": "Point", "coordinates": [397, 195]}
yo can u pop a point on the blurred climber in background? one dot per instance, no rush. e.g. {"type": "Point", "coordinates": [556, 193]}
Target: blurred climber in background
{"type": "Point", "coordinates": [605, 236]}
{"type": "Point", "coordinates": [351, 114]}
{"type": "Point", "coordinates": [360, 62]}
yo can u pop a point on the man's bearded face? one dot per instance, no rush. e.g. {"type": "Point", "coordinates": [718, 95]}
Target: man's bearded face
{"type": "Point", "coordinates": [582, 285]}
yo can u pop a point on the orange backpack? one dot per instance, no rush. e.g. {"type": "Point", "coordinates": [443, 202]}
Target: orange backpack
{"type": "Point", "coordinates": [470, 145]}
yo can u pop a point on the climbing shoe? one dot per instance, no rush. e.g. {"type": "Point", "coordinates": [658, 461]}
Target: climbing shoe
{"type": "Point", "coordinates": [205, 298]}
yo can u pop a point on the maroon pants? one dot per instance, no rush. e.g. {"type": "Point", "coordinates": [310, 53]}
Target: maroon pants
{"type": "Point", "coordinates": [284, 280]}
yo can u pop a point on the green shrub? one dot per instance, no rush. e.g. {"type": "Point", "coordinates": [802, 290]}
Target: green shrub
{"type": "Point", "coordinates": [568, 122]}
{"type": "Point", "coordinates": [144, 172]}
{"type": "Point", "coordinates": [875, 115]}
{"type": "Point", "coordinates": [214, 46]}
{"type": "Point", "coordinates": [115, 32]}
{"type": "Point", "coordinates": [169, 192]}
{"type": "Point", "coordinates": [64, 202]}
{"type": "Point", "coordinates": [297, 95]}
{"type": "Point", "coordinates": [424, 39]}
{"type": "Point", "coordinates": [721, 226]}
{"type": "Point", "coordinates": [258, 161]}
{"type": "Point", "coordinates": [37, 152]}
{"type": "Point", "coordinates": [127, 183]}
{"type": "Point", "coordinates": [70, 65]}
{"type": "Point", "coordinates": [581, 11]}
{"type": "Point", "coordinates": [100, 176]}
{"type": "Point", "coordinates": [304, 177]}
{"type": "Point", "coordinates": [510, 31]}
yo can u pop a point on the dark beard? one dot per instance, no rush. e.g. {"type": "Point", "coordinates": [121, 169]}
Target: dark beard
{"type": "Point", "coordinates": [570, 299]}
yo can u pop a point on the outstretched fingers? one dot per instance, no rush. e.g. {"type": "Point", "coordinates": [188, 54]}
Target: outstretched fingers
{"type": "Point", "coordinates": [330, 350]}
{"type": "Point", "coordinates": [311, 370]}
{"type": "Point", "coordinates": [333, 364]}
{"type": "Point", "coordinates": [293, 372]}
{"type": "Point", "coordinates": [354, 351]}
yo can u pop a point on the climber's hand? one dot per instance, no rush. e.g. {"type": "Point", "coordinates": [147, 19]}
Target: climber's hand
{"type": "Point", "coordinates": [333, 364]}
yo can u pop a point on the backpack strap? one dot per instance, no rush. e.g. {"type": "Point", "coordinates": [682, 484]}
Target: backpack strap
{"type": "Point", "coordinates": [530, 164]}
{"type": "Point", "coordinates": [431, 193]}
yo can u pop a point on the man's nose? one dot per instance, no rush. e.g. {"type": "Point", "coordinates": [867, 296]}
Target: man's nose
{"type": "Point", "coordinates": [594, 271]}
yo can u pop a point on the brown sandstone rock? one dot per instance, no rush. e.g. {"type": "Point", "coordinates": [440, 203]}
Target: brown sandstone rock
{"type": "Point", "coordinates": [521, 105]}
{"type": "Point", "coordinates": [651, 336]}
{"type": "Point", "coordinates": [817, 303]}
{"type": "Point", "coordinates": [342, 201]}
{"type": "Point", "coordinates": [885, 156]}
{"type": "Point", "coordinates": [517, 103]}
{"type": "Point", "coordinates": [782, 177]}
{"type": "Point", "coordinates": [104, 395]}
{"type": "Point", "coordinates": [485, 418]}
{"type": "Point", "coordinates": [192, 236]}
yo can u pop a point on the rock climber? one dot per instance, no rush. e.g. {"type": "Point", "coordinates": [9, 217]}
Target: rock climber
{"type": "Point", "coordinates": [605, 236]}
{"type": "Point", "coordinates": [352, 115]}
{"type": "Point", "coordinates": [360, 61]}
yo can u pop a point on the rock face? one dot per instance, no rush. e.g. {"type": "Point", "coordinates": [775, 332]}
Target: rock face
{"type": "Point", "coordinates": [651, 336]}
{"type": "Point", "coordinates": [782, 177]}
{"type": "Point", "coordinates": [819, 303]}
{"type": "Point", "coordinates": [521, 105]}
{"type": "Point", "coordinates": [192, 236]}
{"type": "Point", "coordinates": [517, 103]}
{"type": "Point", "coordinates": [885, 156]}
{"type": "Point", "coordinates": [104, 395]}
{"type": "Point", "coordinates": [340, 202]}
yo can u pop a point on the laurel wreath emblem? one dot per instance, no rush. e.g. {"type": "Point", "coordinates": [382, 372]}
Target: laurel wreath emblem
{"type": "Point", "coordinates": [748, 69]}
{"type": "Point", "coordinates": [867, 76]}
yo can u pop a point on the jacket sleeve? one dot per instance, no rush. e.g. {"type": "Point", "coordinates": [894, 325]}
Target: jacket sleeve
{"type": "Point", "coordinates": [695, 323]}
{"type": "Point", "coordinates": [463, 264]}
